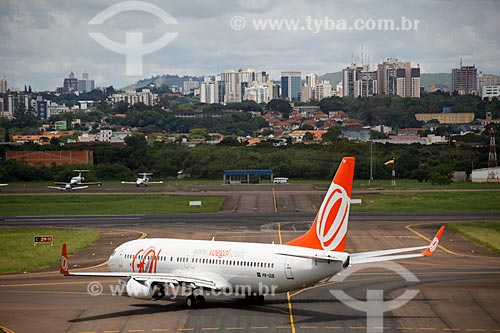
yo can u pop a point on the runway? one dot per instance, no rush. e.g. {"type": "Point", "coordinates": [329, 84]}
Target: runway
{"type": "Point", "coordinates": [459, 286]}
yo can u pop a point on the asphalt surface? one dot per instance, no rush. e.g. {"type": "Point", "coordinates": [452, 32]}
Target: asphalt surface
{"type": "Point", "coordinates": [458, 287]}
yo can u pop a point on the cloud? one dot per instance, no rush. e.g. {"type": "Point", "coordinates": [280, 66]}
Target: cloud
{"type": "Point", "coordinates": [42, 41]}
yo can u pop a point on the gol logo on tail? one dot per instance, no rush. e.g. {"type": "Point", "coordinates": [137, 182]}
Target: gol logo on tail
{"type": "Point", "coordinates": [331, 225]}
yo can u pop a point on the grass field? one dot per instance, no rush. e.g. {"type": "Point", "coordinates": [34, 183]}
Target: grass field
{"type": "Point", "coordinates": [484, 233]}
{"type": "Point", "coordinates": [428, 202]}
{"type": "Point", "coordinates": [17, 252]}
{"type": "Point", "coordinates": [105, 204]}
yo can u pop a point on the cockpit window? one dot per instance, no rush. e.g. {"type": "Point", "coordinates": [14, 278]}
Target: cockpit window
{"type": "Point", "coordinates": [112, 254]}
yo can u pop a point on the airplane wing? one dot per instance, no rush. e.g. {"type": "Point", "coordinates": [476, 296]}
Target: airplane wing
{"type": "Point", "coordinates": [160, 182]}
{"type": "Point", "coordinates": [57, 188]}
{"type": "Point", "coordinates": [385, 255]}
{"type": "Point", "coordinates": [79, 187]}
{"type": "Point", "coordinates": [129, 183]}
{"type": "Point", "coordinates": [3, 185]}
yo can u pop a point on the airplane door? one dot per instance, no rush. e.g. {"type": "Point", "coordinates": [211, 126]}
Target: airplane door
{"type": "Point", "coordinates": [120, 259]}
{"type": "Point", "coordinates": [288, 268]}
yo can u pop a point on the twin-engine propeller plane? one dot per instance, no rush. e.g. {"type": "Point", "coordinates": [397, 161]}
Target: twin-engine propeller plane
{"type": "Point", "coordinates": [144, 180]}
{"type": "Point", "coordinates": [154, 268]}
{"type": "Point", "coordinates": [76, 183]}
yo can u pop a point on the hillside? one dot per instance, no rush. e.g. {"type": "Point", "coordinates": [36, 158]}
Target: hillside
{"type": "Point", "coordinates": [159, 80]}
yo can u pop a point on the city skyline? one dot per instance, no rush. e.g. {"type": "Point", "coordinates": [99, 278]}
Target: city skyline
{"type": "Point", "coordinates": [42, 49]}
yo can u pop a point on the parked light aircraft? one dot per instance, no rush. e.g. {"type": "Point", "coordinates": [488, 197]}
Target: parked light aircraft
{"type": "Point", "coordinates": [76, 183]}
{"type": "Point", "coordinates": [153, 268]}
{"type": "Point", "coordinates": [144, 180]}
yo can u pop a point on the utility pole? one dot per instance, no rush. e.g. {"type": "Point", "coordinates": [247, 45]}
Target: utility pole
{"type": "Point", "coordinates": [492, 159]}
{"type": "Point", "coordinates": [371, 163]}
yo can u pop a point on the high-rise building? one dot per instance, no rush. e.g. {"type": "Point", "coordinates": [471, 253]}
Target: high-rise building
{"type": "Point", "coordinates": [398, 78]}
{"type": "Point", "coordinates": [306, 93]}
{"type": "Point", "coordinates": [366, 84]}
{"type": "Point", "coordinates": [209, 92]}
{"type": "Point", "coordinates": [85, 85]}
{"type": "Point", "coordinates": [464, 80]}
{"type": "Point", "coordinates": [349, 77]}
{"type": "Point", "coordinates": [190, 86]}
{"type": "Point", "coordinates": [70, 83]}
{"type": "Point", "coordinates": [322, 90]}
{"type": "Point", "coordinates": [487, 80]}
{"type": "Point", "coordinates": [3, 85]}
{"type": "Point", "coordinates": [291, 85]}
{"type": "Point", "coordinates": [259, 93]}
{"type": "Point", "coordinates": [359, 81]}
{"type": "Point", "coordinates": [311, 80]}
{"type": "Point", "coordinates": [233, 80]}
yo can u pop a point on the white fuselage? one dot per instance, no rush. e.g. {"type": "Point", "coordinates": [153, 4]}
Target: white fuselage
{"type": "Point", "coordinates": [230, 264]}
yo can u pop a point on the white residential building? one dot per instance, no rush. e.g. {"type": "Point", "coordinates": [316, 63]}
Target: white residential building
{"type": "Point", "coordinates": [209, 92]}
{"type": "Point", "coordinates": [132, 97]}
{"type": "Point", "coordinates": [322, 90]}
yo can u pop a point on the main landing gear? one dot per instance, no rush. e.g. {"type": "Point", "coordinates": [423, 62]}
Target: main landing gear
{"type": "Point", "coordinates": [195, 301]}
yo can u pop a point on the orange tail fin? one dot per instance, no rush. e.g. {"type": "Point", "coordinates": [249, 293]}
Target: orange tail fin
{"type": "Point", "coordinates": [329, 229]}
{"type": "Point", "coordinates": [64, 261]}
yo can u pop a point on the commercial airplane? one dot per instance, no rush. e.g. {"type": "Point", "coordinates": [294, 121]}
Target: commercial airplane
{"type": "Point", "coordinates": [76, 183]}
{"type": "Point", "coordinates": [154, 268]}
{"type": "Point", "coordinates": [144, 180]}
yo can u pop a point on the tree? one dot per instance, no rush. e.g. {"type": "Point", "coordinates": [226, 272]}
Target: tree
{"type": "Point", "coordinates": [136, 141]}
{"type": "Point", "coordinates": [280, 105]}
{"type": "Point", "coordinates": [308, 136]}
{"type": "Point", "coordinates": [332, 135]}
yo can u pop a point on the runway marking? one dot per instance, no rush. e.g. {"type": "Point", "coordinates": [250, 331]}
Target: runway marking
{"type": "Point", "coordinates": [308, 327]}
{"type": "Point", "coordinates": [160, 330]}
{"type": "Point", "coordinates": [185, 329]}
{"type": "Point", "coordinates": [259, 327]}
{"type": "Point", "coordinates": [210, 328]}
{"type": "Point", "coordinates": [333, 327]}
{"type": "Point", "coordinates": [236, 328]}
{"type": "Point", "coordinates": [6, 330]}
{"type": "Point", "coordinates": [288, 297]}
{"type": "Point", "coordinates": [111, 331]}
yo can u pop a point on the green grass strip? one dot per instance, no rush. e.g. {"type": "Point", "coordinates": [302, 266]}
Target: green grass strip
{"type": "Point", "coordinates": [18, 252]}
{"type": "Point", "coordinates": [483, 233]}
{"type": "Point", "coordinates": [428, 202]}
{"type": "Point", "coordinates": [104, 204]}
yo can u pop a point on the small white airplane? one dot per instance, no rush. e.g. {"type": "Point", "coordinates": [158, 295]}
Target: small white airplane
{"type": "Point", "coordinates": [76, 183]}
{"type": "Point", "coordinates": [144, 180]}
{"type": "Point", "coordinates": [155, 268]}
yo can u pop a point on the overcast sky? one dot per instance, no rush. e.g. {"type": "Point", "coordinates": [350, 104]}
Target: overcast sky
{"type": "Point", "coordinates": [42, 41]}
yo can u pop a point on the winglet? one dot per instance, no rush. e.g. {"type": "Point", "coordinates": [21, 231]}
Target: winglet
{"type": "Point", "coordinates": [64, 261]}
{"type": "Point", "coordinates": [434, 244]}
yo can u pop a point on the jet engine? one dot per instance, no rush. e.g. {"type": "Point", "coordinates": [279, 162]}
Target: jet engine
{"type": "Point", "coordinates": [145, 290]}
